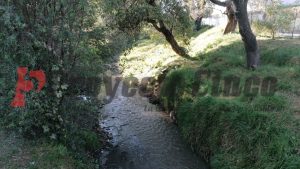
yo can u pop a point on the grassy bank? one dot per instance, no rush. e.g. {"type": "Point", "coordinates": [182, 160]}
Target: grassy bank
{"type": "Point", "coordinates": [244, 131]}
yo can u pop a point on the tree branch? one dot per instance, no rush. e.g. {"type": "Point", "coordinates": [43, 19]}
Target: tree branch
{"type": "Point", "coordinates": [154, 23]}
{"type": "Point", "coordinates": [220, 3]}
{"type": "Point", "coordinates": [160, 26]}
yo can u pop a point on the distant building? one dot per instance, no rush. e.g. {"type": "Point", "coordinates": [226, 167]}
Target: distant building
{"type": "Point", "coordinates": [296, 24]}
{"type": "Point", "coordinates": [218, 18]}
{"type": "Point", "coordinates": [257, 15]}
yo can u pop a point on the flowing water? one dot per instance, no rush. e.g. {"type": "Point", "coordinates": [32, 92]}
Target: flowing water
{"type": "Point", "coordinates": [143, 137]}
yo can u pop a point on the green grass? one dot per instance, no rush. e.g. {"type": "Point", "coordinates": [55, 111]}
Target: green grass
{"type": "Point", "coordinates": [231, 135]}
{"type": "Point", "coordinates": [16, 152]}
{"type": "Point", "coordinates": [241, 132]}
{"type": "Point", "coordinates": [246, 131]}
{"type": "Point", "coordinates": [76, 148]}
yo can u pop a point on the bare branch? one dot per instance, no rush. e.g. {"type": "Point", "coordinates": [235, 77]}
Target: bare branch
{"type": "Point", "coordinates": [220, 3]}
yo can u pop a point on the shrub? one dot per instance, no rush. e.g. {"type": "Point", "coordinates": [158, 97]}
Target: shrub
{"type": "Point", "coordinates": [81, 124]}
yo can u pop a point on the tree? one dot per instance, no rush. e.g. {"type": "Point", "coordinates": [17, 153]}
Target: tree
{"type": "Point", "coordinates": [232, 20]}
{"type": "Point", "coordinates": [295, 16]}
{"type": "Point", "coordinates": [259, 5]}
{"type": "Point", "coordinates": [277, 18]}
{"type": "Point", "coordinates": [197, 11]}
{"type": "Point", "coordinates": [53, 36]}
{"type": "Point", "coordinates": [168, 17]}
{"type": "Point", "coordinates": [248, 37]}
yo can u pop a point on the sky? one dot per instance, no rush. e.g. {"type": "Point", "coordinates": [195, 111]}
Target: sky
{"type": "Point", "coordinates": [288, 1]}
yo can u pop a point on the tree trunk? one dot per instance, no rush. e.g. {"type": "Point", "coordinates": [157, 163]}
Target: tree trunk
{"type": "Point", "coordinates": [294, 27]}
{"type": "Point", "coordinates": [249, 39]}
{"type": "Point", "coordinates": [198, 23]}
{"type": "Point", "coordinates": [161, 27]}
{"type": "Point", "coordinates": [250, 42]}
{"type": "Point", "coordinates": [172, 41]}
{"type": "Point", "coordinates": [232, 20]}
{"type": "Point", "coordinates": [181, 51]}
{"type": "Point", "coordinates": [273, 34]}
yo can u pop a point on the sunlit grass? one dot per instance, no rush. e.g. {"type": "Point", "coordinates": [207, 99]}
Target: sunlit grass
{"type": "Point", "coordinates": [145, 58]}
{"type": "Point", "coordinates": [151, 54]}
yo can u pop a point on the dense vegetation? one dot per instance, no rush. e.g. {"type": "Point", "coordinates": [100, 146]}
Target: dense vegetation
{"type": "Point", "coordinates": [242, 131]}
{"type": "Point", "coordinates": [63, 39]}
{"type": "Point", "coordinates": [72, 41]}
{"type": "Point", "coordinates": [245, 131]}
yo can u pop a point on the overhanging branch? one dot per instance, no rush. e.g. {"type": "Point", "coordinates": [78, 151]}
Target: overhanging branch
{"type": "Point", "coordinates": [220, 3]}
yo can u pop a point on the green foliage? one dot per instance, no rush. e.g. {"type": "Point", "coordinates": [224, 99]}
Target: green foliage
{"type": "Point", "coordinates": [242, 132]}
{"type": "Point", "coordinates": [177, 85]}
{"type": "Point", "coordinates": [51, 156]}
{"type": "Point", "coordinates": [63, 39]}
{"type": "Point", "coordinates": [81, 124]}
{"type": "Point", "coordinates": [277, 19]}
{"type": "Point", "coordinates": [53, 39]}
{"type": "Point", "coordinates": [281, 63]}
{"type": "Point", "coordinates": [232, 135]}
{"type": "Point", "coordinates": [271, 103]}
{"type": "Point", "coordinates": [279, 57]}
{"type": "Point", "coordinates": [57, 153]}
{"type": "Point", "coordinates": [132, 16]}
{"type": "Point", "coordinates": [223, 58]}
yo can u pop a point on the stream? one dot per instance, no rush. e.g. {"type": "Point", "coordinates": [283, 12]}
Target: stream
{"type": "Point", "coordinates": [143, 137]}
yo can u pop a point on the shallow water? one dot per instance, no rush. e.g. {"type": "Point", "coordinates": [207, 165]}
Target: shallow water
{"type": "Point", "coordinates": [143, 137]}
